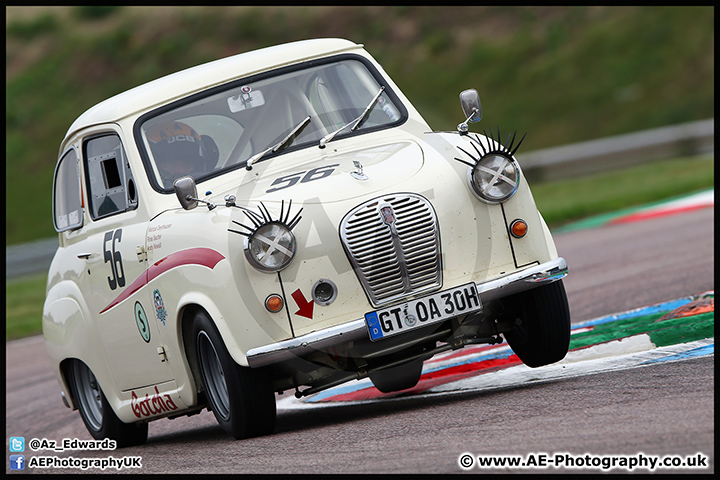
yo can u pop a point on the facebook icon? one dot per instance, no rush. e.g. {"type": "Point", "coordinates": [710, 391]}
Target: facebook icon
{"type": "Point", "coordinates": [17, 462]}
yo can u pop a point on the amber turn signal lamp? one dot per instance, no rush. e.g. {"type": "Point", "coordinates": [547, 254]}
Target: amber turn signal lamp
{"type": "Point", "coordinates": [518, 228]}
{"type": "Point", "coordinates": [274, 303]}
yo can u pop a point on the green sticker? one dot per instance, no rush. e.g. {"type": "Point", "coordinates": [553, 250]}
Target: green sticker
{"type": "Point", "coordinates": [142, 323]}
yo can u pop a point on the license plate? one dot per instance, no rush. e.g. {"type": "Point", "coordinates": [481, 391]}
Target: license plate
{"type": "Point", "coordinates": [423, 311]}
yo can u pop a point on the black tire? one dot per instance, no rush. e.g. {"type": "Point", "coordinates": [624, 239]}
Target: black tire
{"type": "Point", "coordinates": [241, 398]}
{"type": "Point", "coordinates": [543, 336]}
{"type": "Point", "coordinates": [97, 414]}
{"type": "Point", "coordinates": [397, 378]}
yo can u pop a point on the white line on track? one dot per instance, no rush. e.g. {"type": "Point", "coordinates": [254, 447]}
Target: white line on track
{"type": "Point", "coordinates": [621, 354]}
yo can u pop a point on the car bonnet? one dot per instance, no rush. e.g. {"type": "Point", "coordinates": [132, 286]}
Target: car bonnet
{"type": "Point", "coordinates": [324, 178]}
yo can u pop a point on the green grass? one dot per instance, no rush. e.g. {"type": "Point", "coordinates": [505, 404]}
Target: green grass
{"type": "Point", "coordinates": [24, 306]}
{"type": "Point", "coordinates": [559, 202]}
{"type": "Point", "coordinates": [564, 201]}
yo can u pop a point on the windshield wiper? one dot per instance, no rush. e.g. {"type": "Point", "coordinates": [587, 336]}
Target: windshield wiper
{"type": "Point", "coordinates": [285, 142]}
{"type": "Point", "coordinates": [355, 123]}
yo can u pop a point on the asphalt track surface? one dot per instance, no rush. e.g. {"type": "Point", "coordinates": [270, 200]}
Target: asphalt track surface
{"type": "Point", "coordinates": [660, 409]}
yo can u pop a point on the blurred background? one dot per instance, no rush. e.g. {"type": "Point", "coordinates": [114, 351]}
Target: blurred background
{"type": "Point", "coordinates": [562, 74]}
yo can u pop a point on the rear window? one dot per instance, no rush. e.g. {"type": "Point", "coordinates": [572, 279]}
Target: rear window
{"type": "Point", "coordinates": [67, 203]}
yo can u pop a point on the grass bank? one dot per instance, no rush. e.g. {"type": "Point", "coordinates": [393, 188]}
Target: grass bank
{"type": "Point", "coordinates": [562, 74]}
{"type": "Point", "coordinates": [564, 201]}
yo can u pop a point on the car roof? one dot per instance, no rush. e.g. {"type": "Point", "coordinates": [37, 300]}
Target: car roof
{"type": "Point", "coordinates": [198, 78]}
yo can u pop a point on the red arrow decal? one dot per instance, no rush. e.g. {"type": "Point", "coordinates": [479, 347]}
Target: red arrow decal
{"type": "Point", "coordinates": [306, 308]}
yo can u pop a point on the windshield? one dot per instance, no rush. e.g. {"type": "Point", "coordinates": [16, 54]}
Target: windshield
{"type": "Point", "coordinates": [224, 130]}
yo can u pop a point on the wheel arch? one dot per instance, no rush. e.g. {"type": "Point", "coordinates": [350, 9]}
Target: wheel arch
{"type": "Point", "coordinates": [188, 305]}
{"type": "Point", "coordinates": [68, 329]}
{"type": "Point", "coordinates": [186, 316]}
{"type": "Point", "coordinates": [64, 377]}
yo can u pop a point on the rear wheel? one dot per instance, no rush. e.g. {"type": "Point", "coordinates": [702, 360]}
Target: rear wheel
{"type": "Point", "coordinates": [240, 398]}
{"type": "Point", "coordinates": [397, 378]}
{"type": "Point", "coordinates": [543, 336]}
{"type": "Point", "coordinates": [96, 412]}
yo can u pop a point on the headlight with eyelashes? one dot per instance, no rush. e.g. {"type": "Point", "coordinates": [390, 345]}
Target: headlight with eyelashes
{"type": "Point", "coordinates": [495, 174]}
{"type": "Point", "coordinates": [270, 245]}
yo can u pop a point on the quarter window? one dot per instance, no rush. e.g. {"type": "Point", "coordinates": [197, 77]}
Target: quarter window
{"type": "Point", "coordinates": [67, 203]}
{"type": "Point", "coordinates": [110, 183]}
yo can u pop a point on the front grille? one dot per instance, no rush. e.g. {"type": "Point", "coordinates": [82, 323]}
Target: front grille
{"type": "Point", "coordinates": [393, 243]}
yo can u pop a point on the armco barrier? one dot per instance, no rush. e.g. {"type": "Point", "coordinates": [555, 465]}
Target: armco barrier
{"type": "Point", "coordinates": [611, 153]}
{"type": "Point", "coordinates": [687, 139]}
{"type": "Point", "coordinates": [29, 258]}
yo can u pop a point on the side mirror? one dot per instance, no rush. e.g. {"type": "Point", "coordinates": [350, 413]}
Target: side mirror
{"type": "Point", "coordinates": [186, 192]}
{"type": "Point", "coordinates": [470, 103]}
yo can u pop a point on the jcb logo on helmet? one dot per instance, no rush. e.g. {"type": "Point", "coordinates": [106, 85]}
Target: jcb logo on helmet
{"type": "Point", "coordinates": [181, 138]}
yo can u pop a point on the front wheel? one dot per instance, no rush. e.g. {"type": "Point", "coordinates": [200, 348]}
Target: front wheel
{"type": "Point", "coordinates": [543, 336]}
{"type": "Point", "coordinates": [240, 398]}
{"type": "Point", "coordinates": [96, 412]}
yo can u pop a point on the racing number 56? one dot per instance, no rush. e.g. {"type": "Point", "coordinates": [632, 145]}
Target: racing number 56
{"type": "Point", "coordinates": [293, 178]}
{"type": "Point", "coordinates": [113, 256]}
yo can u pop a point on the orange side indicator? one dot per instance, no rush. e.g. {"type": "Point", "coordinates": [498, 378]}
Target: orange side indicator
{"type": "Point", "coordinates": [274, 303]}
{"type": "Point", "coordinates": [518, 228]}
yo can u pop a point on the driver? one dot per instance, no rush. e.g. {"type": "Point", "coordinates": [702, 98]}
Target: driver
{"type": "Point", "coordinates": [177, 149]}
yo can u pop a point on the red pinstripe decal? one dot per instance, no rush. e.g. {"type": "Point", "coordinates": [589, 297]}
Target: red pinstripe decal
{"type": "Point", "coordinates": [194, 256]}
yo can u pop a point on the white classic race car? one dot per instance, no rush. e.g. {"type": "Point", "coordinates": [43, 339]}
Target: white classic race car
{"type": "Point", "coordinates": [335, 237]}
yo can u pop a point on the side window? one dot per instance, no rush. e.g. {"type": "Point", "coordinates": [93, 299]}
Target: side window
{"type": "Point", "coordinates": [67, 203]}
{"type": "Point", "coordinates": [111, 188]}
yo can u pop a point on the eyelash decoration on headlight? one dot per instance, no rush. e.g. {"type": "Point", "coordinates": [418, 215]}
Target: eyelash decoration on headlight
{"type": "Point", "coordinates": [264, 218]}
{"type": "Point", "coordinates": [505, 151]}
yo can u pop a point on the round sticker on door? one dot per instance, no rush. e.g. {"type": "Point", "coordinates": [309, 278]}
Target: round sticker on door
{"type": "Point", "coordinates": [142, 322]}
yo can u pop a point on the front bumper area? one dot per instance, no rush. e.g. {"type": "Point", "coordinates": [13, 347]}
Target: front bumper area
{"type": "Point", "coordinates": [511, 284]}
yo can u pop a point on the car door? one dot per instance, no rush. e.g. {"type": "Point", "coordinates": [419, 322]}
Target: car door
{"type": "Point", "coordinates": [114, 282]}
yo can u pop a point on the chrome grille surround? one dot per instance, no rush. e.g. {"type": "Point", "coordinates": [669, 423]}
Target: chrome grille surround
{"type": "Point", "coordinates": [395, 251]}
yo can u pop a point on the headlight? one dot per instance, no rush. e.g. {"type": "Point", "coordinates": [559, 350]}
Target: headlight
{"type": "Point", "coordinates": [494, 178]}
{"type": "Point", "coordinates": [271, 247]}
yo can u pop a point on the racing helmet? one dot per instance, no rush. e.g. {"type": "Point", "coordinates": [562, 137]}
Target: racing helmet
{"type": "Point", "coordinates": [179, 150]}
